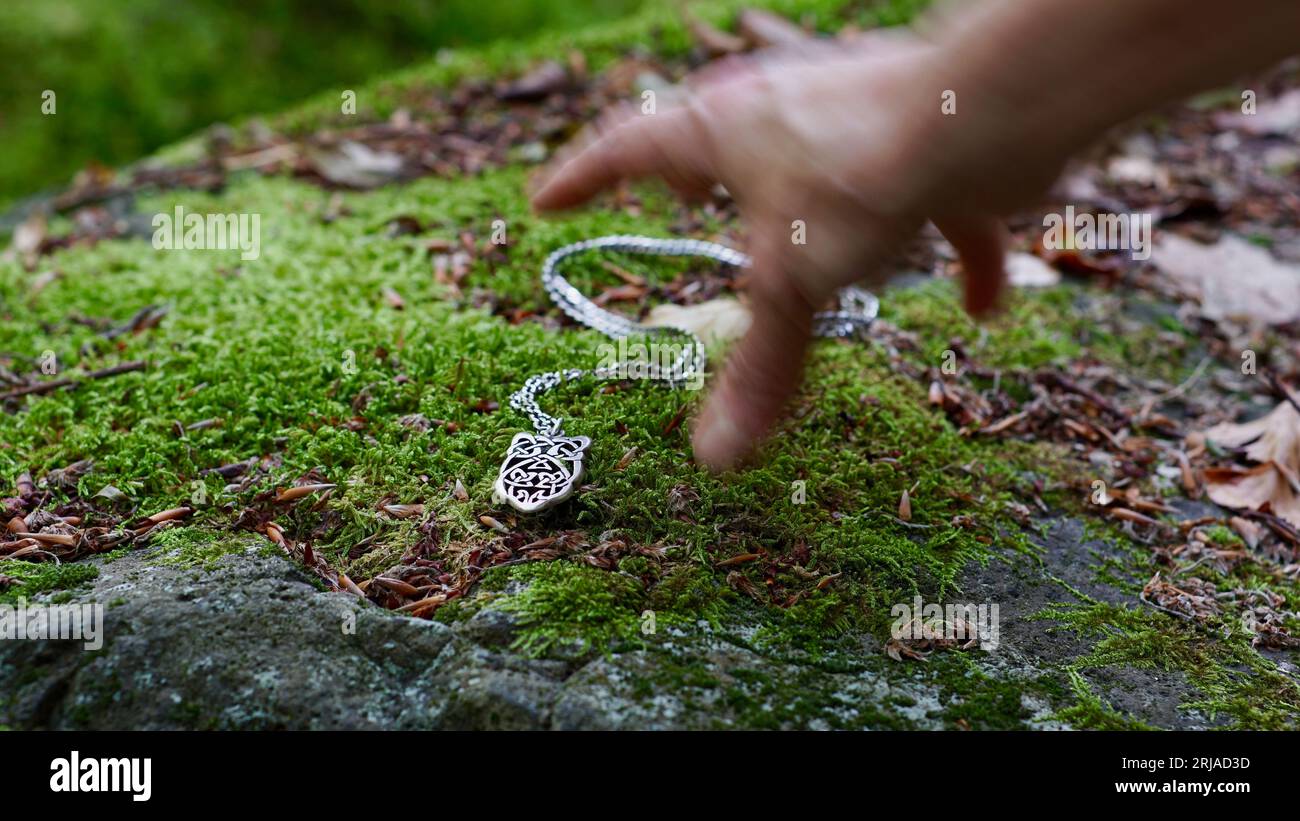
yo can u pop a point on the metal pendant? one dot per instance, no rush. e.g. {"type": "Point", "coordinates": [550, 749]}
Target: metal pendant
{"type": "Point", "coordinates": [540, 471]}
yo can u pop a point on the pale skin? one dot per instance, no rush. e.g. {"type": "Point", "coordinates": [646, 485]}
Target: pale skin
{"type": "Point", "coordinates": [851, 139]}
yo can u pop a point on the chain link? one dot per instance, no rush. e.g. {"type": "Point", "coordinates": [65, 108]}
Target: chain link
{"type": "Point", "coordinates": [857, 310]}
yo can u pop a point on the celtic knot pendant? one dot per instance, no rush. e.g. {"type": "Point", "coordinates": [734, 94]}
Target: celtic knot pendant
{"type": "Point", "coordinates": [540, 471]}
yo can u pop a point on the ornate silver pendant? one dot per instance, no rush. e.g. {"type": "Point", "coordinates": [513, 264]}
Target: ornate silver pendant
{"type": "Point", "coordinates": [541, 471]}
{"type": "Point", "coordinates": [544, 469]}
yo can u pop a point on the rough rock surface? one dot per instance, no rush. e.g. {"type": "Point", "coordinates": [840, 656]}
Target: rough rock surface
{"type": "Point", "coordinates": [250, 642]}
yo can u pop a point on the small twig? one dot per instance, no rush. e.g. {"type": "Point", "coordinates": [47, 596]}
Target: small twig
{"type": "Point", "coordinates": [1183, 386]}
{"type": "Point", "coordinates": [1069, 386]}
{"type": "Point", "coordinates": [1143, 598]}
{"type": "Point", "coordinates": [71, 382]}
{"type": "Point", "coordinates": [1189, 568]}
{"type": "Point", "coordinates": [1278, 525]}
{"type": "Point", "coordinates": [1282, 390]}
{"type": "Point", "coordinates": [916, 525]}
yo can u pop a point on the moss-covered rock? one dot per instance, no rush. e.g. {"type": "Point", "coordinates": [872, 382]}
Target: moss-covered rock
{"type": "Point", "coordinates": [680, 599]}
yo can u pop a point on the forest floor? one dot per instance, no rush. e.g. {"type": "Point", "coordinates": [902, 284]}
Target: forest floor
{"type": "Point", "coordinates": [275, 473]}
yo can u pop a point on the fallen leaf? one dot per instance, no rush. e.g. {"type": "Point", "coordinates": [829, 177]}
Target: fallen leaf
{"type": "Point", "coordinates": [403, 225]}
{"type": "Point", "coordinates": [355, 165]}
{"type": "Point", "coordinates": [404, 511]}
{"type": "Point", "coordinates": [1253, 488]}
{"type": "Point", "coordinates": [169, 515]}
{"type": "Point", "coordinates": [537, 84]}
{"type": "Point", "coordinates": [1028, 271]}
{"type": "Point", "coordinates": [896, 650]}
{"type": "Point", "coordinates": [397, 586]}
{"type": "Point", "coordinates": [29, 234]}
{"type": "Point", "coordinates": [1233, 278]}
{"type": "Point", "coordinates": [110, 494]}
{"type": "Point", "coordinates": [936, 392]}
{"type": "Point", "coordinates": [1124, 514]}
{"type": "Point", "coordinates": [717, 320]}
{"type": "Point", "coordinates": [1273, 441]}
{"type": "Point", "coordinates": [1187, 475]}
{"type": "Point", "coordinates": [1138, 170]}
{"type": "Point", "coordinates": [1191, 598]}
{"type": "Point", "coordinates": [393, 298]}
{"type": "Point", "coordinates": [628, 456]}
{"type": "Point", "coordinates": [1250, 532]}
{"type": "Point", "coordinates": [1272, 437]}
{"type": "Point", "coordinates": [65, 539]}
{"type": "Point", "coordinates": [737, 581]}
{"type": "Point", "coordinates": [294, 493]}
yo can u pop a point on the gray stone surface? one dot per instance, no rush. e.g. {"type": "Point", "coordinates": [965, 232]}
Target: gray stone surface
{"type": "Point", "coordinates": [250, 642]}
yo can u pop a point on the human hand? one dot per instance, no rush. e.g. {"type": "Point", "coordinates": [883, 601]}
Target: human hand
{"type": "Point", "coordinates": [847, 139]}
{"type": "Point", "coordinates": [851, 140]}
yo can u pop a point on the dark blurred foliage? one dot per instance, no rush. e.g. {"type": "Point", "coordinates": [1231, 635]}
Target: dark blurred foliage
{"type": "Point", "coordinates": [132, 75]}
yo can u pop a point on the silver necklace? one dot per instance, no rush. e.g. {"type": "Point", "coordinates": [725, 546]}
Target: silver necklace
{"type": "Point", "coordinates": [543, 469]}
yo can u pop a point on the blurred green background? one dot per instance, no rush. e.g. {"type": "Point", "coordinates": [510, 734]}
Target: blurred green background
{"type": "Point", "coordinates": [133, 75]}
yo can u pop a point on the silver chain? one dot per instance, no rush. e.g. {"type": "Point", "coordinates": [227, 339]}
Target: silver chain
{"type": "Point", "coordinates": [857, 310]}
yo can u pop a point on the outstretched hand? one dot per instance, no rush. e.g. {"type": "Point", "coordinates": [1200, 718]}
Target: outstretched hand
{"type": "Point", "coordinates": [834, 136]}
{"type": "Point", "coordinates": [851, 139]}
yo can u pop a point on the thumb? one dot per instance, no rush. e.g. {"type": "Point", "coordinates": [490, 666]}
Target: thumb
{"type": "Point", "coordinates": [762, 372]}
{"type": "Point", "coordinates": [981, 243]}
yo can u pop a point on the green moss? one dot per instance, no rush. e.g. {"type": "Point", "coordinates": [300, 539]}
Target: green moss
{"type": "Point", "coordinates": [657, 26]}
{"type": "Point", "coordinates": [199, 547]}
{"type": "Point", "coordinates": [44, 577]}
{"type": "Point", "coordinates": [268, 347]}
{"type": "Point", "coordinates": [1041, 328]}
{"type": "Point", "coordinates": [1235, 684]}
{"type": "Point", "coordinates": [302, 360]}
{"type": "Point", "coordinates": [1034, 330]}
{"type": "Point", "coordinates": [564, 603]}
{"type": "Point", "coordinates": [1090, 712]}
{"type": "Point", "coordinates": [1222, 536]}
{"type": "Point", "coordinates": [975, 700]}
{"type": "Point", "coordinates": [691, 589]}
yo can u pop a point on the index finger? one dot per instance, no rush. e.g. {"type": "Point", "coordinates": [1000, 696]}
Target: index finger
{"type": "Point", "coordinates": [629, 145]}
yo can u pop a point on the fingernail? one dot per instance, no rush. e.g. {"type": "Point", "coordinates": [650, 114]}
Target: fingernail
{"type": "Point", "coordinates": [718, 441]}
